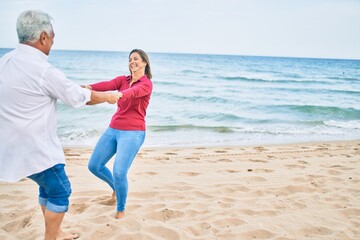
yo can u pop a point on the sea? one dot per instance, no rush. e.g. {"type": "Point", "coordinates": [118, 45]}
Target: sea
{"type": "Point", "coordinates": [219, 100]}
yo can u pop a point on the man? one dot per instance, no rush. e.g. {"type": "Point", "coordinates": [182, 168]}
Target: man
{"type": "Point", "coordinates": [29, 145]}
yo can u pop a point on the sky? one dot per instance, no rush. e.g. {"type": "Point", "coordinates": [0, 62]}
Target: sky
{"type": "Point", "coordinates": [288, 28]}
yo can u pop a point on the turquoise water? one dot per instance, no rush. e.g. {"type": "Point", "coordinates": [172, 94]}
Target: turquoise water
{"type": "Point", "coordinates": [222, 100]}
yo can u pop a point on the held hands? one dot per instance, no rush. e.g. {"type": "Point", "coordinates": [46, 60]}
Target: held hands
{"type": "Point", "coordinates": [113, 97]}
{"type": "Point", "coordinates": [100, 97]}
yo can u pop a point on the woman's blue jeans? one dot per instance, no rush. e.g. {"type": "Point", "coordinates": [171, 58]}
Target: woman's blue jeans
{"type": "Point", "coordinates": [126, 145]}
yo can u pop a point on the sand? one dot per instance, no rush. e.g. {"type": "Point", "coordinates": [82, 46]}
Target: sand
{"type": "Point", "coordinates": [295, 191]}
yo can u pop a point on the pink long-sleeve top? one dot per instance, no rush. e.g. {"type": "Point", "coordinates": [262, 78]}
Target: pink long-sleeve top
{"type": "Point", "coordinates": [131, 111]}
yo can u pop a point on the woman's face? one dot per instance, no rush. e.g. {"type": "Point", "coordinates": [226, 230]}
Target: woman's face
{"type": "Point", "coordinates": [136, 63]}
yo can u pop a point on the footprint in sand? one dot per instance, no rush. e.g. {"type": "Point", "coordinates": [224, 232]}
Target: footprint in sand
{"type": "Point", "coordinates": [14, 226]}
{"type": "Point", "coordinates": [220, 188]}
{"type": "Point", "coordinates": [303, 162]}
{"type": "Point", "coordinates": [292, 166]}
{"type": "Point", "coordinates": [334, 172]}
{"type": "Point", "coordinates": [144, 195]}
{"type": "Point", "coordinates": [149, 173]}
{"type": "Point", "coordinates": [257, 234]}
{"type": "Point", "coordinates": [224, 160]}
{"type": "Point", "coordinates": [162, 158]}
{"type": "Point", "coordinates": [260, 149]}
{"type": "Point", "coordinates": [171, 153]}
{"type": "Point", "coordinates": [192, 158]}
{"type": "Point", "coordinates": [164, 232]}
{"type": "Point", "coordinates": [221, 151]}
{"type": "Point", "coordinates": [259, 161]}
{"type": "Point", "coordinates": [298, 205]}
{"type": "Point", "coordinates": [188, 174]}
{"type": "Point", "coordinates": [229, 221]}
{"type": "Point", "coordinates": [164, 214]}
{"type": "Point", "coordinates": [262, 170]}
{"type": "Point", "coordinates": [148, 150]}
{"type": "Point", "coordinates": [77, 208]}
{"type": "Point", "coordinates": [199, 194]}
{"type": "Point", "coordinates": [257, 179]}
{"type": "Point", "coordinates": [316, 231]}
{"type": "Point", "coordinates": [230, 171]}
{"type": "Point", "coordinates": [105, 200]}
{"type": "Point", "coordinates": [225, 205]}
{"type": "Point", "coordinates": [73, 154]}
{"type": "Point", "coordinates": [199, 229]}
{"type": "Point", "coordinates": [350, 212]}
{"type": "Point", "coordinates": [101, 220]}
{"type": "Point", "coordinates": [342, 167]}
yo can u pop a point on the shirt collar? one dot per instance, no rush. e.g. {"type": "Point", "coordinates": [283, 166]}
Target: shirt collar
{"type": "Point", "coordinates": [128, 78]}
{"type": "Point", "coordinates": [31, 50]}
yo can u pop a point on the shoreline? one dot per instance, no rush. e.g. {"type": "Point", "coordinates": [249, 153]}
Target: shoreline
{"type": "Point", "coordinates": [80, 146]}
{"type": "Point", "coordinates": [230, 142]}
{"type": "Point", "coordinates": [276, 192]}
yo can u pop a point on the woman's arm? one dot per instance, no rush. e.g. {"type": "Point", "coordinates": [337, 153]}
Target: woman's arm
{"type": "Point", "coordinates": [111, 85]}
{"type": "Point", "coordinates": [140, 90]}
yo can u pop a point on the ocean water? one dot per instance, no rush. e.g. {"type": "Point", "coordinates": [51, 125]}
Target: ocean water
{"type": "Point", "coordinates": [222, 99]}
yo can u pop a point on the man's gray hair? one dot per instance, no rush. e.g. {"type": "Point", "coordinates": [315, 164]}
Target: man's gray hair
{"type": "Point", "coordinates": [30, 24]}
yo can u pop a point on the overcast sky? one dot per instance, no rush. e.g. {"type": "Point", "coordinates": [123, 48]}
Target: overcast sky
{"type": "Point", "coordinates": [295, 28]}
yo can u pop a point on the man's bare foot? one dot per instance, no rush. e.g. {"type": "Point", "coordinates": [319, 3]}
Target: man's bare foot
{"type": "Point", "coordinates": [66, 236]}
{"type": "Point", "coordinates": [119, 215]}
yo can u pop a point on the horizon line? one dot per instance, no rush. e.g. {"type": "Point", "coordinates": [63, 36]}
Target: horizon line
{"type": "Point", "coordinates": [216, 54]}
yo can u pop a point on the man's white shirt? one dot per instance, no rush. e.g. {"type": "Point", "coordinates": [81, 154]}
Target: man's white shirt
{"type": "Point", "coordinates": [29, 89]}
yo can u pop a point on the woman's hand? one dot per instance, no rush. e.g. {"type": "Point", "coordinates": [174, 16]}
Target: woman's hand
{"type": "Point", "coordinates": [100, 97]}
{"type": "Point", "coordinates": [113, 97]}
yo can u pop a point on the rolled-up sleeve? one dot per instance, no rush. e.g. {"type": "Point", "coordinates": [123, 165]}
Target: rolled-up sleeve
{"type": "Point", "coordinates": [58, 86]}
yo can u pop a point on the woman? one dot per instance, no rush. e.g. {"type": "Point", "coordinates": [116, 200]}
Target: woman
{"type": "Point", "coordinates": [126, 132]}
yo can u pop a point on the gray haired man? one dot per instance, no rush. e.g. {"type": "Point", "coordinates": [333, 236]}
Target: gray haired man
{"type": "Point", "coordinates": [29, 145]}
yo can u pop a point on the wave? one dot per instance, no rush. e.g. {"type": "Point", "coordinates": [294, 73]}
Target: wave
{"type": "Point", "coordinates": [294, 130]}
{"type": "Point", "coordinates": [193, 98]}
{"type": "Point", "coordinates": [345, 78]}
{"type": "Point", "coordinates": [279, 80]}
{"type": "Point", "coordinates": [163, 128]}
{"type": "Point", "coordinates": [301, 130]}
{"type": "Point", "coordinates": [309, 89]}
{"type": "Point", "coordinates": [219, 117]}
{"type": "Point", "coordinates": [176, 84]}
{"type": "Point", "coordinates": [354, 124]}
{"type": "Point", "coordinates": [186, 71]}
{"type": "Point", "coordinates": [344, 113]}
{"type": "Point", "coordinates": [344, 91]}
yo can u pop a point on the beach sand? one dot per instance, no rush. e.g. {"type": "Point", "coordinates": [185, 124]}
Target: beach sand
{"type": "Point", "coordinates": [295, 191]}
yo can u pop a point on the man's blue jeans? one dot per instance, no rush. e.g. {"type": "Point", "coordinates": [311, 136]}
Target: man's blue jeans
{"type": "Point", "coordinates": [54, 188]}
{"type": "Point", "coordinates": [126, 145]}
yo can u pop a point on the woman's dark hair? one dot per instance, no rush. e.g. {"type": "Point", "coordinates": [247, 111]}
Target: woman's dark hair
{"type": "Point", "coordinates": [145, 58]}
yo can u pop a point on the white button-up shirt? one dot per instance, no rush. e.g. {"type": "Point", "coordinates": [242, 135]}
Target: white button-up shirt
{"type": "Point", "coordinates": [29, 88]}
